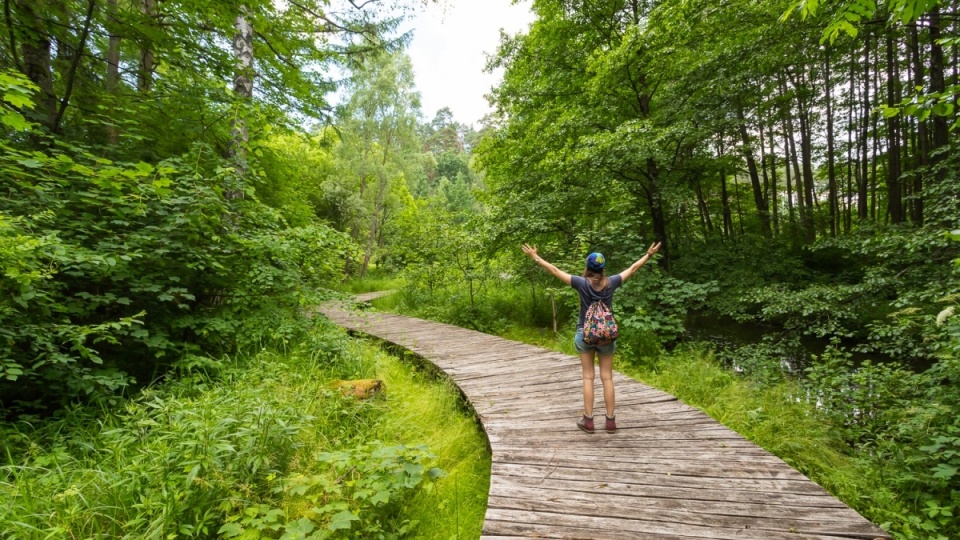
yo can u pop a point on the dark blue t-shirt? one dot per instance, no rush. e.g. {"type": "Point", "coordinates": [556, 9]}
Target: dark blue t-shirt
{"type": "Point", "coordinates": [589, 295]}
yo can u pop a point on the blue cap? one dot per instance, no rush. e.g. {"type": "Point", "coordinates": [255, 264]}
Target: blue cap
{"type": "Point", "coordinates": [596, 262]}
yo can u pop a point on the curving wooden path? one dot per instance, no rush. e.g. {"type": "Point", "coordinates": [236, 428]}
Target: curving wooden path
{"type": "Point", "coordinates": [670, 471]}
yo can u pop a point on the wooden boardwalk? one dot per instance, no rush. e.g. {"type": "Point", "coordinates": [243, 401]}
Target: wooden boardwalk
{"type": "Point", "coordinates": [670, 471]}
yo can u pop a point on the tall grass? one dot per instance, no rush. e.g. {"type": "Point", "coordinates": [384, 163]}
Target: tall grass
{"type": "Point", "coordinates": [375, 280]}
{"type": "Point", "coordinates": [254, 447]}
{"type": "Point", "coordinates": [777, 418]}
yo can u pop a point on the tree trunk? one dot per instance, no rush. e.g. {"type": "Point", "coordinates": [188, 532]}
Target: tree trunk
{"type": "Point", "coordinates": [832, 195]}
{"type": "Point", "coordinates": [937, 85]}
{"type": "Point", "coordinates": [794, 159]}
{"type": "Point", "coordinates": [862, 179]}
{"type": "Point", "coordinates": [922, 154]}
{"type": "Point", "coordinates": [243, 87]}
{"type": "Point", "coordinates": [145, 70]}
{"type": "Point", "coordinates": [725, 205]}
{"type": "Point", "coordinates": [774, 202]}
{"type": "Point", "coordinates": [806, 159]}
{"type": "Point", "coordinates": [35, 46]}
{"type": "Point", "coordinates": [113, 70]}
{"type": "Point", "coordinates": [705, 220]}
{"type": "Point", "coordinates": [852, 170]}
{"type": "Point", "coordinates": [656, 212]}
{"type": "Point", "coordinates": [736, 195]}
{"type": "Point", "coordinates": [758, 196]}
{"type": "Point", "coordinates": [894, 206]}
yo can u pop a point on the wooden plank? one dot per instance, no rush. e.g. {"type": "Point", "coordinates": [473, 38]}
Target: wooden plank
{"type": "Point", "coordinates": [757, 479]}
{"type": "Point", "coordinates": [707, 514]}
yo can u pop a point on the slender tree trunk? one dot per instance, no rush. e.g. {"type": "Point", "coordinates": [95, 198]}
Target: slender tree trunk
{"type": "Point", "coordinates": [832, 195]}
{"type": "Point", "coordinates": [774, 202]}
{"type": "Point", "coordinates": [113, 70]}
{"type": "Point", "coordinates": [35, 47]}
{"type": "Point", "coordinates": [657, 214]}
{"type": "Point", "coordinates": [922, 154]}
{"type": "Point", "coordinates": [243, 87]}
{"type": "Point", "coordinates": [789, 179]}
{"type": "Point", "coordinates": [704, 210]}
{"type": "Point", "coordinates": [806, 159]}
{"type": "Point", "coordinates": [736, 195]}
{"type": "Point", "coordinates": [894, 206]}
{"type": "Point", "coordinates": [145, 70]}
{"type": "Point", "coordinates": [851, 127]}
{"type": "Point", "coordinates": [937, 85]}
{"type": "Point", "coordinates": [794, 160]}
{"type": "Point", "coordinates": [875, 124]}
{"type": "Point", "coordinates": [758, 197]}
{"type": "Point", "coordinates": [862, 180]}
{"type": "Point", "coordinates": [725, 205]}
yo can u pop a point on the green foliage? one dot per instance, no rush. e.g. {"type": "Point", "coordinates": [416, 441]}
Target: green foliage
{"type": "Point", "coordinates": [114, 269]}
{"type": "Point", "coordinates": [354, 492]}
{"type": "Point", "coordinates": [658, 304]}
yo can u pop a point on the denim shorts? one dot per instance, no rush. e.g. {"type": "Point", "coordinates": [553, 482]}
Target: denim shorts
{"type": "Point", "coordinates": [583, 347]}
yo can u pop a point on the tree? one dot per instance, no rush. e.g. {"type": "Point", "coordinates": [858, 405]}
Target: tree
{"type": "Point", "coordinates": [378, 127]}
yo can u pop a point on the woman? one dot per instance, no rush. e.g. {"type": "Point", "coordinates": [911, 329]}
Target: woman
{"type": "Point", "coordinates": [594, 286]}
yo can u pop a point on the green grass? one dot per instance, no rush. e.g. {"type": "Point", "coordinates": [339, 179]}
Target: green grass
{"type": "Point", "coordinates": [255, 447]}
{"type": "Point", "coordinates": [375, 280]}
{"type": "Point", "coordinates": [777, 418]}
{"type": "Point", "coordinates": [429, 412]}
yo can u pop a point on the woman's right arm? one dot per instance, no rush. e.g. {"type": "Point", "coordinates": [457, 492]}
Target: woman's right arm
{"type": "Point", "coordinates": [557, 273]}
{"type": "Point", "coordinates": [625, 275]}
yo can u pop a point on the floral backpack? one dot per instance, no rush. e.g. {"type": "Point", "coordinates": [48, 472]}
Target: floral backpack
{"type": "Point", "coordinates": [599, 327]}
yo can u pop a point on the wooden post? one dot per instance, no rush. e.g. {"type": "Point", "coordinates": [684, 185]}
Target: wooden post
{"type": "Point", "coordinates": [553, 306]}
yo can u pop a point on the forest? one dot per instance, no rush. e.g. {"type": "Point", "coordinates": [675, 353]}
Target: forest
{"type": "Point", "coordinates": [183, 181]}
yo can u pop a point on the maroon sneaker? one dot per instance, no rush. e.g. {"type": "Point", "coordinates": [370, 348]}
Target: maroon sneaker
{"type": "Point", "coordinates": [611, 424]}
{"type": "Point", "coordinates": [586, 424]}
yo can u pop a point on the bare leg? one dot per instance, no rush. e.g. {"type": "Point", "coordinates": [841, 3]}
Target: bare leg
{"type": "Point", "coordinates": [606, 376]}
{"type": "Point", "coordinates": [586, 364]}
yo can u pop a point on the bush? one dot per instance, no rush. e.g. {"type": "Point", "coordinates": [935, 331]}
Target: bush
{"type": "Point", "coordinates": [114, 270]}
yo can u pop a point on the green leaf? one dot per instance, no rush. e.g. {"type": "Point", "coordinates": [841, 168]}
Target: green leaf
{"type": "Point", "coordinates": [342, 520]}
{"type": "Point", "coordinates": [944, 471]}
{"type": "Point", "coordinates": [31, 163]}
{"type": "Point", "coordinates": [230, 530]}
{"type": "Point", "coordinates": [889, 112]}
{"type": "Point", "coordinates": [15, 120]}
{"type": "Point", "coordinates": [298, 529]}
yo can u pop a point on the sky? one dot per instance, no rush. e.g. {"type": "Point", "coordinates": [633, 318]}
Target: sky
{"type": "Point", "coordinates": [449, 48]}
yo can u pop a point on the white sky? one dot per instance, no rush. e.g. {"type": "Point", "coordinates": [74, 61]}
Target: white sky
{"type": "Point", "coordinates": [449, 48]}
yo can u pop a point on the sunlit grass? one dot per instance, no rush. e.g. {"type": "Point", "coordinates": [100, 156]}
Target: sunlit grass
{"type": "Point", "coordinates": [375, 280]}
{"type": "Point", "coordinates": [430, 412]}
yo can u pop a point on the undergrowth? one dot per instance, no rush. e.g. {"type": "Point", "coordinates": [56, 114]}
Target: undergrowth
{"type": "Point", "coordinates": [261, 446]}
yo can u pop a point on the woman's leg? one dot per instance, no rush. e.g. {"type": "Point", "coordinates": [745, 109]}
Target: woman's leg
{"type": "Point", "coordinates": [586, 365]}
{"type": "Point", "coordinates": [606, 377]}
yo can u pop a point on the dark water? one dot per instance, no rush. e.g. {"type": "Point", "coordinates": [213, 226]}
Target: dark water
{"type": "Point", "coordinates": [794, 354]}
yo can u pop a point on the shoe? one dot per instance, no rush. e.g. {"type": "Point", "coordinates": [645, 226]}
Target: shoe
{"type": "Point", "coordinates": [586, 424]}
{"type": "Point", "coordinates": [611, 424]}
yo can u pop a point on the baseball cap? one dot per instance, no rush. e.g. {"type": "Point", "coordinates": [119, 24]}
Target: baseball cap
{"type": "Point", "coordinates": [596, 262]}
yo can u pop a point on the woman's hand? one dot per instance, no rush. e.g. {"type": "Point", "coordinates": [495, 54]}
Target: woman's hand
{"type": "Point", "coordinates": [531, 251]}
{"type": "Point", "coordinates": [655, 247]}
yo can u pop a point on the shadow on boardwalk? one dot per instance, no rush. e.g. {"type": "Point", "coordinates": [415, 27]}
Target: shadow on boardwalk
{"type": "Point", "coordinates": [670, 471]}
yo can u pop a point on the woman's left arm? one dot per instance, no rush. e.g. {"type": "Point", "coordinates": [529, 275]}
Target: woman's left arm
{"type": "Point", "coordinates": [557, 273]}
